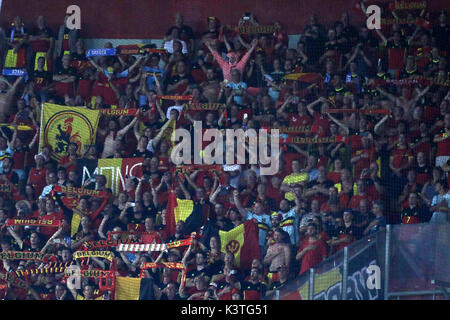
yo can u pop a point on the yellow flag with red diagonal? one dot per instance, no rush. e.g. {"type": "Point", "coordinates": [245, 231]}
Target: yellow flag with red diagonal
{"type": "Point", "coordinates": [243, 242]}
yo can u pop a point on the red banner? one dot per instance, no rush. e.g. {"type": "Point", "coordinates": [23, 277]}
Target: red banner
{"type": "Point", "coordinates": [414, 81]}
{"type": "Point", "coordinates": [299, 140]}
{"type": "Point", "coordinates": [119, 112]}
{"type": "Point", "coordinates": [105, 243]}
{"type": "Point", "coordinates": [81, 191]}
{"type": "Point", "coordinates": [175, 97]}
{"type": "Point", "coordinates": [269, 29]}
{"type": "Point", "coordinates": [211, 169]}
{"type": "Point", "coordinates": [300, 129]}
{"type": "Point", "coordinates": [137, 50]}
{"type": "Point", "coordinates": [170, 265]}
{"type": "Point", "coordinates": [362, 111]}
{"type": "Point", "coordinates": [33, 222]}
{"type": "Point", "coordinates": [205, 106]}
{"type": "Point", "coordinates": [408, 5]}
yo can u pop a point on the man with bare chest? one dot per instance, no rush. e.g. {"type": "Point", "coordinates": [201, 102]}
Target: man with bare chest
{"type": "Point", "coordinates": [278, 254]}
{"type": "Point", "coordinates": [211, 87]}
{"type": "Point", "coordinates": [113, 135]}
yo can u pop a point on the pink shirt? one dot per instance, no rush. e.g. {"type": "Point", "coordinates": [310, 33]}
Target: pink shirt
{"type": "Point", "coordinates": [227, 67]}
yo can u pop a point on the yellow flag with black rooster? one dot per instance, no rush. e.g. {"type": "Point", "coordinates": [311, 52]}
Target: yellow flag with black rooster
{"type": "Point", "coordinates": [61, 125]}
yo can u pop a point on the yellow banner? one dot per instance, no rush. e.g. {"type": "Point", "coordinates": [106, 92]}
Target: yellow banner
{"type": "Point", "coordinates": [61, 125]}
{"type": "Point", "coordinates": [96, 254]}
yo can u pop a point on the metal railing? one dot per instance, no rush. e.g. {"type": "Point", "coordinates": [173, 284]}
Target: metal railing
{"type": "Point", "coordinates": [412, 260]}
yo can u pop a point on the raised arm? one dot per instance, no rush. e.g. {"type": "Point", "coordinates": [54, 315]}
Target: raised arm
{"type": "Point", "coordinates": [155, 141]}
{"type": "Point", "coordinates": [213, 195]}
{"type": "Point", "coordinates": [50, 241]}
{"type": "Point", "coordinates": [14, 136]}
{"type": "Point", "coordinates": [225, 40]}
{"type": "Point", "coordinates": [101, 228]}
{"type": "Point", "coordinates": [15, 236]}
{"type": "Point", "coordinates": [136, 130]}
{"type": "Point", "coordinates": [162, 115]}
{"type": "Point", "coordinates": [10, 94]}
{"type": "Point", "coordinates": [379, 123]}
{"type": "Point", "coordinates": [386, 94]}
{"type": "Point", "coordinates": [247, 55]}
{"type": "Point", "coordinates": [244, 44]}
{"type": "Point", "coordinates": [135, 64]}
{"type": "Point", "coordinates": [95, 65]}
{"type": "Point", "coordinates": [66, 211]}
{"type": "Point", "coordinates": [285, 104]}
{"type": "Point", "coordinates": [214, 52]}
{"type": "Point", "coordinates": [123, 131]}
{"type": "Point", "coordinates": [190, 182]}
{"type": "Point", "coordinates": [340, 124]}
{"type": "Point", "coordinates": [310, 106]}
{"type": "Point", "coordinates": [186, 193]}
{"type": "Point", "coordinates": [238, 204]}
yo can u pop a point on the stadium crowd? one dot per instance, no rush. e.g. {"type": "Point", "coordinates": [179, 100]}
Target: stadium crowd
{"type": "Point", "coordinates": [388, 161]}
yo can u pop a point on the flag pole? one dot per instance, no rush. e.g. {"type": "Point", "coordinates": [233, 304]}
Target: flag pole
{"type": "Point", "coordinates": [40, 127]}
